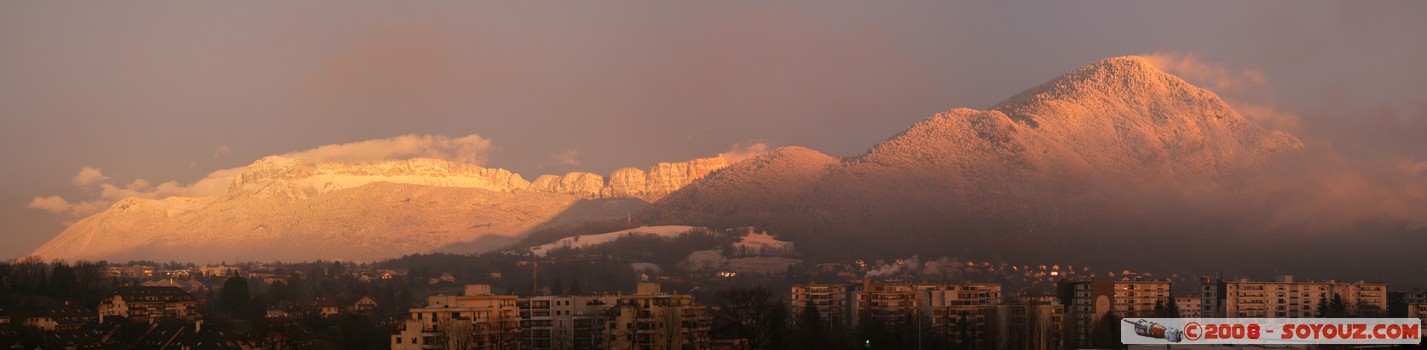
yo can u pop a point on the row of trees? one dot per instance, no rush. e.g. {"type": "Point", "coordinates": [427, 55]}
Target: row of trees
{"type": "Point", "coordinates": [32, 282]}
{"type": "Point", "coordinates": [763, 319]}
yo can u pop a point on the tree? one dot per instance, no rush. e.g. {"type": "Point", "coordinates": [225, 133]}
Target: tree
{"type": "Point", "coordinates": [358, 333]}
{"type": "Point", "coordinates": [670, 328]}
{"type": "Point", "coordinates": [1361, 309]}
{"type": "Point", "coordinates": [1171, 308]}
{"type": "Point", "coordinates": [1323, 308]}
{"type": "Point", "coordinates": [963, 331]}
{"type": "Point", "coordinates": [235, 295]}
{"type": "Point", "coordinates": [756, 314]}
{"type": "Point", "coordinates": [811, 331]}
{"type": "Point", "coordinates": [873, 333]}
{"type": "Point", "coordinates": [1336, 307]}
{"type": "Point", "coordinates": [457, 332]}
{"type": "Point", "coordinates": [575, 287]}
{"type": "Point", "coordinates": [1031, 333]}
{"type": "Point", "coordinates": [63, 281]}
{"type": "Point", "coordinates": [557, 287]}
{"type": "Point", "coordinates": [914, 331]}
{"type": "Point", "coordinates": [1106, 333]}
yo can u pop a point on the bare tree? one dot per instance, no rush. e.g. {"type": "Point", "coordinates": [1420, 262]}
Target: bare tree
{"type": "Point", "coordinates": [457, 333]}
{"type": "Point", "coordinates": [671, 322]}
{"type": "Point", "coordinates": [757, 314]}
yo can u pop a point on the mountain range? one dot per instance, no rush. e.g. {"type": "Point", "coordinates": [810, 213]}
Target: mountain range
{"type": "Point", "coordinates": [1116, 154]}
{"type": "Point", "coordinates": [289, 209]}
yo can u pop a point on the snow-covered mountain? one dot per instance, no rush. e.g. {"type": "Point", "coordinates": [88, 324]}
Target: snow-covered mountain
{"type": "Point", "coordinates": [1099, 144]}
{"type": "Point", "coordinates": [289, 209]}
{"type": "Point", "coordinates": [1110, 147]}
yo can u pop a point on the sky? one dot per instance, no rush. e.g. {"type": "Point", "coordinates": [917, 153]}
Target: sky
{"type": "Point", "coordinates": [100, 98]}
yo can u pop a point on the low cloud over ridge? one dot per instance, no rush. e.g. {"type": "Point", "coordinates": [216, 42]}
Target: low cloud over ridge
{"type": "Point", "coordinates": [102, 191]}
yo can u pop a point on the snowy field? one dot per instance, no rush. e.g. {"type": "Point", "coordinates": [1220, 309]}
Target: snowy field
{"type": "Point", "coordinates": [597, 239]}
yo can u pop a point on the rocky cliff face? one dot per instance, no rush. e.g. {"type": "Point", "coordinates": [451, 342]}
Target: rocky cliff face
{"type": "Point", "coordinates": [284, 178]}
{"type": "Point", "coordinates": [650, 185]}
{"type": "Point", "coordinates": [627, 182]}
{"type": "Point", "coordinates": [584, 185]}
{"type": "Point", "coordinates": [278, 177]}
{"type": "Point", "coordinates": [287, 209]}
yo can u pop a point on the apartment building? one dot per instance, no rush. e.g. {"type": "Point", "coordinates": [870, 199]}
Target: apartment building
{"type": "Point", "coordinates": [1189, 306]}
{"type": "Point", "coordinates": [1033, 323]}
{"type": "Point", "coordinates": [1419, 311]}
{"type": "Point", "coordinates": [1286, 297]}
{"type": "Point", "coordinates": [564, 322]}
{"type": "Point", "coordinates": [1416, 296]}
{"type": "Point", "coordinates": [477, 319]}
{"type": "Point", "coordinates": [893, 303]}
{"type": "Point", "coordinates": [148, 304]}
{"type": "Point", "coordinates": [953, 307]}
{"type": "Point", "coordinates": [650, 319]}
{"type": "Point", "coordinates": [832, 301]}
{"type": "Point", "coordinates": [1089, 301]}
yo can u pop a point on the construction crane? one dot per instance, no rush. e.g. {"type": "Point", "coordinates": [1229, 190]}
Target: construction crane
{"type": "Point", "coordinates": [535, 261]}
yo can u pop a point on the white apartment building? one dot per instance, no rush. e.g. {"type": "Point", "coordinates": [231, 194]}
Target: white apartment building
{"type": "Point", "coordinates": [1286, 297]}
{"type": "Point", "coordinates": [477, 319]}
{"type": "Point", "coordinates": [564, 322]}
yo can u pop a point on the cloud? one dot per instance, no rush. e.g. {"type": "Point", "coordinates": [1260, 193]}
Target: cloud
{"type": "Point", "coordinates": [741, 151]}
{"type": "Point", "coordinates": [1243, 89]}
{"type": "Point", "coordinates": [59, 206]}
{"type": "Point", "coordinates": [104, 191]}
{"type": "Point", "coordinates": [567, 157]}
{"type": "Point", "coordinates": [52, 204]}
{"type": "Point", "coordinates": [1268, 117]}
{"type": "Point", "coordinates": [1322, 189]}
{"type": "Point", "coordinates": [1222, 79]}
{"type": "Point", "coordinates": [88, 176]}
{"type": "Point", "coordinates": [222, 151]}
{"type": "Point", "coordinates": [1414, 167]}
{"type": "Point", "coordinates": [1319, 189]}
{"type": "Point", "coordinates": [469, 149]}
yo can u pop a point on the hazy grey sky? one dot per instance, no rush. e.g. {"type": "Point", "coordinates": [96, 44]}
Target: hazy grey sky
{"type": "Point", "coordinates": [174, 90]}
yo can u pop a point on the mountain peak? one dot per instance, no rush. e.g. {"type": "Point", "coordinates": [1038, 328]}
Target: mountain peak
{"type": "Point", "coordinates": [1126, 79]}
{"type": "Point", "coordinates": [1126, 65]}
{"type": "Point", "coordinates": [1123, 68]}
{"type": "Point", "coordinates": [1120, 115]}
